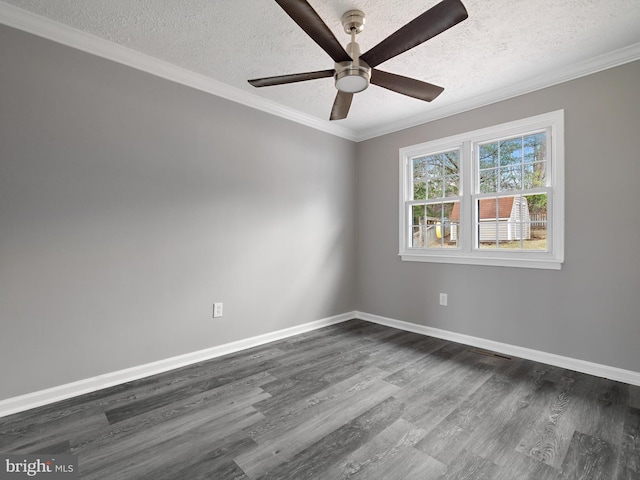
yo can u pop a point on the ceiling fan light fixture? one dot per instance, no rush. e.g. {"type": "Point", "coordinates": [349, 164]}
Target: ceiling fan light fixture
{"type": "Point", "coordinates": [352, 78]}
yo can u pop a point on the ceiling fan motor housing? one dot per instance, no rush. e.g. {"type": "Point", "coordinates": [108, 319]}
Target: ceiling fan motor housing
{"type": "Point", "coordinates": [352, 77]}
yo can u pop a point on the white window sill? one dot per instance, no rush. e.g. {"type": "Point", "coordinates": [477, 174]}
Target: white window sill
{"type": "Point", "coordinates": [547, 264]}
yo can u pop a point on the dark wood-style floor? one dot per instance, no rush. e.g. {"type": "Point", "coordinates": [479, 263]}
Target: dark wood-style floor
{"type": "Point", "coordinates": [352, 401]}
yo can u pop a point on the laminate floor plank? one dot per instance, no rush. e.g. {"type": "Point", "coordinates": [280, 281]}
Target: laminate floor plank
{"type": "Point", "coordinates": [181, 419]}
{"type": "Point", "coordinates": [634, 396]}
{"type": "Point", "coordinates": [328, 399]}
{"type": "Point", "coordinates": [512, 419]}
{"type": "Point", "coordinates": [455, 433]}
{"type": "Point", "coordinates": [35, 436]}
{"type": "Point", "coordinates": [305, 382]}
{"type": "Point", "coordinates": [513, 381]}
{"type": "Point", "coordinates": [601, 408]}
{"type": "Point", "coordinates": [313, 462]}
{"type": "Point", "coordinates": [468, 466]}
{"type": "Point", "coordinates": [629, 460]}
{"type": "Point", "coordinates": [402, 349]}
{"type": "Point", "coordinates": [354, 400]}
{"type": "Point", "coordinates": [390, 454]}
{"type": "Point", "coordinates": [306, 364]}
{"type": "Point", "coordinates": [523, 467]}
{"type": "Point", "coordinates": [282, 448]}
{"type": "Point", "coordinates": [211, 460]}
{"type": "Point", "coordinates": [141, 390]}
{"type": "Point", "coordinates": [588, 458]}
{"type": "Point", "coordinates": [548, 439]}
{"type": "Point", "coordinates": [178, 391]}
{"type": "Point", "coordinates": [389, 346]}
{"type": "Point", "coordinates": [409, 464]}
{"type": "Point", "coordinates": [430, 400]}
{"type": "Point", "coordinates": [319, 350]}
{"type": "Point", "coordinates": [225, 399]}
{"type": "Point", "coordinates": [164, 444]}
{"type": "Point", "coordinates": [419, 371]}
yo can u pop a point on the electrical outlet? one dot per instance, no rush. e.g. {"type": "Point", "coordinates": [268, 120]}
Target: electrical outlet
{"type": "Point", "coordinates": [217, 310]}
{"type": "Point", "coordinates": [443, 299]}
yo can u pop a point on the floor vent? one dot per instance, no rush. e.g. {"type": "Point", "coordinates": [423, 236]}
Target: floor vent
{"type": "Point", "coordinates": [489, 353]}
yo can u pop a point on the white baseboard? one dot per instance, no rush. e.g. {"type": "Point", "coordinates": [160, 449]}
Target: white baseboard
{"type": "Point", "coordinates": [69, 390]}
{"type": "Point", "coordinates": [613, 373]}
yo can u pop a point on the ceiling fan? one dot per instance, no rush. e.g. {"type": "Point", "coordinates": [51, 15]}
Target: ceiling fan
{"type": "Point", "coordinates": [354, 71]}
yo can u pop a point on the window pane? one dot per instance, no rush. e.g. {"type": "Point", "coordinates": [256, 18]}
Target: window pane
{"type": "Point", "coordinates": [454, 235]}
{"type": "Point", "coordinates": [419, 191]}
{"type": "Point", "coordinates": [452, 162]}
{"type": "Point", "coordinates": [487, 232]}
{"type": "Point", "coordinates": [511, 178]}
{"type": "Point", "coordinates": [521, 163]}
{"type": "Point", "coordinates": [534, 175]}
{"type": "Point", "coordinates": [511, 152]}
{"type": "Point", "coordinates": [451, 185]}
{"type": "Point", "coordinates": [535, 147]}
{"type": "Point", "coordinates": [538, 239]}
{"type": "Point", "coordinates": [418, 222]}
{"type": "Point", "coordinates": [418, 237]}
{"type": "Point", "coordinates": [537, 206]}
{"type": "Point", "coordinates": [435, 163]}
{"type": "Point", "coordinates": [512, 223]}
{"type": "Point", "coordinates": [417, 214]}
{"type": "Point", "coordinates": [493, 216]}
{"type": "Point", "coordinates": [419, 169]}
{"type": "Point", "coordinates": [488, 155]}
{"type": "Point", "coordinates": [489, 181]}
{"type": "Point", "coordinates": [438, 225]}
{"type": "Point", "coordinates": [539, 178]}
{"type": "Point", "coordinates": [436, 188]}
{"type": "Point", "coordinates": [442, 174]}
{"type": "Point", "coordinates": [434, 212]}
{"type": "Point", "coordinates": [447, 210]}
{"type": "Point", "coordinates": [527, 176]}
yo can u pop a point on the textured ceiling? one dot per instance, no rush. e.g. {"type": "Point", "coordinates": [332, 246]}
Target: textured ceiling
{"type": "Point", "coordinates": [504, 46]}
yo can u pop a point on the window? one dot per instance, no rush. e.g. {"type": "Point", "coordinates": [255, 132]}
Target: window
{"type": "Point", "coordinates": [490, 197]}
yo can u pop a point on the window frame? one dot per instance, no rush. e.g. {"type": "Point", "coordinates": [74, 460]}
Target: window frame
{"type": "Point", "coordinates": [468, 143]}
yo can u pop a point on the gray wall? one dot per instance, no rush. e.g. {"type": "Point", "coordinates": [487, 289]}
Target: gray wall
{"type": "Point", "coordinates": [590, 309]}
{"type": "Point", "coordinates": [129, 204]}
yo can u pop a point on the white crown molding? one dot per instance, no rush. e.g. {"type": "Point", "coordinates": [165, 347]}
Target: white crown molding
{"type": "Point", "coordinates": [570, 72]}
{"type": "Point", "coordinates": [51, 30]}
{"type": "Point", "coordinates": [57, 32]}
{"type": "Point", "coordinates": [88, 385]}
{"type": "Point", "coordinates": [590, 368]}
{"type": "Point", "coordinates": [43, 27]}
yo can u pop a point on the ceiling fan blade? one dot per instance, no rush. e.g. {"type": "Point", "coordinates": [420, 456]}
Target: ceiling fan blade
{"type": "Point", "coordinates": [436, 20]}
{"type": "Point", "coordinates": [306, 17]}
{"type": "Point", "coordinates": [405, 85]}
{"type": "Point", "coordinates": [292, 78]}
{"type": "Point", "coordinates": [341, 105]}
